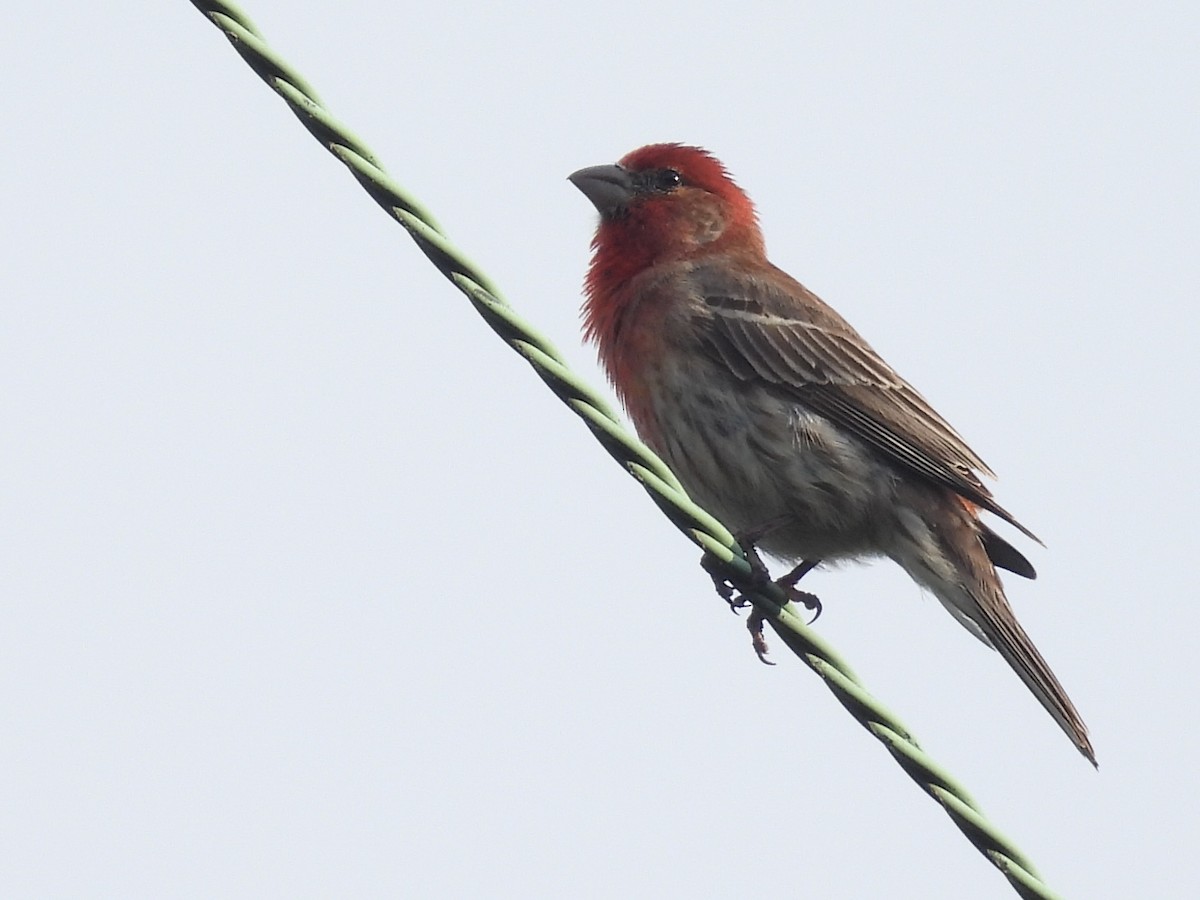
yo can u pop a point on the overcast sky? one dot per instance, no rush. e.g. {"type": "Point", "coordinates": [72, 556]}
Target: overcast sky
{"type": "Point", "coordinates": [310, 588]}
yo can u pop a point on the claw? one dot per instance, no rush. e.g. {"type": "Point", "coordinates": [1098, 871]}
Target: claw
{"type": "Point", "coordinates": [754, 622]}
{"type": "Point", "coordinates": [807, 600]}
{"type": "Point", "coordinates": [755, 625]}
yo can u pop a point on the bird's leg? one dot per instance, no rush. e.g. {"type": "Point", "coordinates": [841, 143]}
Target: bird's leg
{"type": "Point", "coordinates": [747, 539]}
{"type": "Point", "coordinates": [791, 578]}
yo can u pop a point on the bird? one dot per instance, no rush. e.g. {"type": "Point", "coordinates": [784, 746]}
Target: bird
{"type": "Point", "coordinates": [776, 415]}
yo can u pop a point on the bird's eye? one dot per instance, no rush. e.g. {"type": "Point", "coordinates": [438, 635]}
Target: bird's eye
{"type": "Point", "coordinates": [667, 180]}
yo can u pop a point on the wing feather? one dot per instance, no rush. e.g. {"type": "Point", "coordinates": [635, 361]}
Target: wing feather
{"type": "Point", "coordinates": [756, 328]}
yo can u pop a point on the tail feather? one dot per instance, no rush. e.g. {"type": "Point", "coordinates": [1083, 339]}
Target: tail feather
{"type": "Point", "coordinates": [997, 621]}
{"type": "Point", "coordinates": [966, 583]}
{"type": "Point", "coordinates": [1005, 555]}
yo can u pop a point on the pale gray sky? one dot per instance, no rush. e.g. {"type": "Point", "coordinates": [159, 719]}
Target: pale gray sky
{"type": "Point", "coordinates": [310, 587]}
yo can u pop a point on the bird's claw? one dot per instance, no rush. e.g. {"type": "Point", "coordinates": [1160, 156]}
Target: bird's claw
{"type": "Point", "coordinates": [755, 625]}
{"type": "Point", "coordinates": [805, 599]}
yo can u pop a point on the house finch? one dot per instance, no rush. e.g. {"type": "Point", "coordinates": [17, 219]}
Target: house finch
{"type": "Point", "coordinates": [775, 414]}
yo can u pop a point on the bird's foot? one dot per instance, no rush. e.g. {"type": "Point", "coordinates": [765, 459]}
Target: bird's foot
{"type": "Point", "coordinates": [724, 588]}
{"type": "Point", "coordinates": [760, 577]}
{"type": "Point", "coordinates": [788, 583]}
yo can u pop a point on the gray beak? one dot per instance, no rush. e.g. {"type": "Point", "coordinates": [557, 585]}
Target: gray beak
{"type": "Point", "coordinates": [610, 188]}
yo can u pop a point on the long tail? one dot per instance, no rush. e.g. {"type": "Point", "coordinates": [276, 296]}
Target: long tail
{"type": "Point", "coordinates": [966, 583]}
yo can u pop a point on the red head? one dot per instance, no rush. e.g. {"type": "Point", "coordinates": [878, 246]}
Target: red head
{"type": "Point", "coordinates": [663, 203]}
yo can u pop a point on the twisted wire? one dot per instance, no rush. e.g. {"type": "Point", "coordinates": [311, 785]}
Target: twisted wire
{"type": "Point", "coordinates": [637, 459]}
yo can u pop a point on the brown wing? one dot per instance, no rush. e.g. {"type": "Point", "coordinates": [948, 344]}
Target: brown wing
{"type": "Point", "coordinates": [756, 328]}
